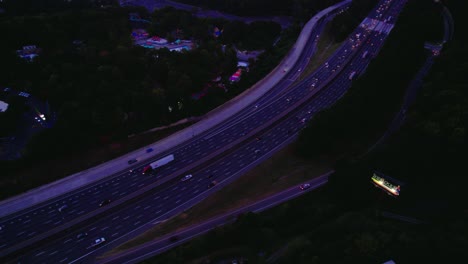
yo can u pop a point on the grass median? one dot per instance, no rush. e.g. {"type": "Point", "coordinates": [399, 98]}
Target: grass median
{"type": "Point", "coordinates": [281, 171]}
{"type": "Point", "coordinates": [326, 46]}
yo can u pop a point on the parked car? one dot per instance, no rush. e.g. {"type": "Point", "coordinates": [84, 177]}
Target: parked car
{"type": "Point", "coordinates": [186, 177]}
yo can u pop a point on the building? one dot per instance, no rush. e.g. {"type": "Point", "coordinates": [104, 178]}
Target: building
{"type": "Point", "coordinates": [138, 34]}
{"type": "Point", "coordinates": [243, 64]}
{"type": "Point", "coordinates": [217, 32]}
{"type": "Point", "coordinates": [28, 52]}
{"type": "Point", "coordinates": [3, 106]}
{"type": "Point", "coordinates": [236, 76]}
{"type": "Point", "coordinates": [156, 40]}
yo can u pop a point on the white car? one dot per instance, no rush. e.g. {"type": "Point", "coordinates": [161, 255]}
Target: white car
{"type": "Point", "coordinates": [304, 186]}
{"type": "Point", "coordinates": [62, 208]}
{"type": "Point", "coordinates": [98, 241]}
{"type": "Point", "coordinates": [187, 177]}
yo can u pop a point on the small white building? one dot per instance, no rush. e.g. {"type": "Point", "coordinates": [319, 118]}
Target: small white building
{"type": "Point", "coordinates": [242, 64]}
{"type": "Point", "coordinates": [3, 106]}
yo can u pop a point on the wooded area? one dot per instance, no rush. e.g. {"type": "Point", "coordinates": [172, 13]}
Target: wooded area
{"type": "Point", "coordinates": [103, 88]}
{"type": "Point", "coordinates": [299, 9]}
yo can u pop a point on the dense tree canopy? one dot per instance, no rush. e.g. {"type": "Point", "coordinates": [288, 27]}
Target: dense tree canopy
{"type": "Point", "coordinates": [300, 9]}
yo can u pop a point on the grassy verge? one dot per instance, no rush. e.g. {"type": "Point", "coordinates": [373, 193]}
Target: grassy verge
{"type": "Point", "coordinates": [281, 171]}
{"type": "Point", "coordinates": [326, 46]}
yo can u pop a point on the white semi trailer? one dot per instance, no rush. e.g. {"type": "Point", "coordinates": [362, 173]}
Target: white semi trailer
{"type": "Point", "coordinates": [158, 163]}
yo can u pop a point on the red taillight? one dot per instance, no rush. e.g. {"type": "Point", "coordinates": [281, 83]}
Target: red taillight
{"type": "Point", "coordinates": [145, 169]}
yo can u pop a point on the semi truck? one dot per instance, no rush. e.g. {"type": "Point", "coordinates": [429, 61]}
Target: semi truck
{"type": "Point", "coordinates": [158, 163]}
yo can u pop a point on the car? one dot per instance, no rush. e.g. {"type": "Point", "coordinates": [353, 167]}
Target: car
{"type": "Point", "coordinates": [104, 202]}
{"type": "Point", "coordinates": [81, 235]}
{"type": "Point", "coordinates": [304, 186]}
{"type": "Point", "coordinates": [212, 184]}
{"type": "Point", "coordinates": [98, 241]}
{"type": "Point", "coordinates": [186, 177]}
{"type": "Point", "coordinates": [132, 161]}
{"type": "Point", "coordinates": [63, 207]}
{"type": "Point", "coordinates": [257, 151]}
{"type": "Point", "coordinates": [149, 150]}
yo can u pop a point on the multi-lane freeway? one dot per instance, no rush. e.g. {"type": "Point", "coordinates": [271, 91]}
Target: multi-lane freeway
{"type": "Point", "coordinates": [29, 223]}
{"type": "Point", "coordinates": [159, 245]}
{"type": "Point", "coordinates": [264, 126]}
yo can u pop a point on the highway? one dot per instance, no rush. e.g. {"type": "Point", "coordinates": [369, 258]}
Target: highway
{"type": "Point", "coordinates": [275, 120]}
{"type": "Point", "coordinates": [164, 243]}
{"type": "Point", "coordinates": [30, 223]}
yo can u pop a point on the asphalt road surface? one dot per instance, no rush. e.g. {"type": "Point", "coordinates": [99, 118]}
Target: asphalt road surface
{"type": "Point", "coordinates": [29, 223]}
{"type": "Point", "coordinates": [282, 114]}
{"type": "Point", "coordinates": [167, 242]}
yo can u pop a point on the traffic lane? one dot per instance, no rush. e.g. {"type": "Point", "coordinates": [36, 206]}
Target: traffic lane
{"type": "Point", "coordinates": [102, 229]}
{"type": "Point", "coordinates": [176, 197]}
{"type": "Point", "coordinates": [93, 199]}
{"type": "Point", "coordinates": [165, 242]}
{"type": "Point", "coordinates": [282, 85]}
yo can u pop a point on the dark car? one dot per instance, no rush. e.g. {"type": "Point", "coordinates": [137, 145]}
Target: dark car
{"type": "Point", "coordinates": [105, 202]}
{"type": "Point", "coordinates": [149, 150]}
{"type": "Point", "coordinates": [173, 239]}
{"type": "Point", "coordinates": [81, 235]}
{"type": "Point", "coordinates": [212, 184]}
{"type": "Point", "coordinates": [132, 161]}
